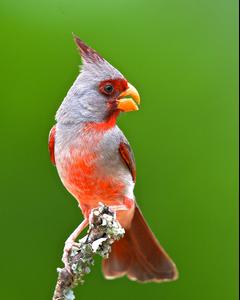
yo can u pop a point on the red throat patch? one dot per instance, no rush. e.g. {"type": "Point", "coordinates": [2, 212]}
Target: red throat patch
{"type": "Point", "coordinates": [109, 123]}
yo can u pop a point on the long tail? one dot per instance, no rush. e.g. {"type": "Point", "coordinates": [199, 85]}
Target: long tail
{"type": "Point", "coordinates": [139, 255]}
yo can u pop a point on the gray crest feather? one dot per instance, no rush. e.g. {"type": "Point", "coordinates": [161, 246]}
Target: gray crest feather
{"type": "Point", "coordinates": [83, 102]}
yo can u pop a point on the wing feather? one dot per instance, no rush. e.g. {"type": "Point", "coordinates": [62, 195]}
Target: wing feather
{"type": "Point", "coordinates": [51, 144]}
{"type": "Point", "coordinates": [128, 157]}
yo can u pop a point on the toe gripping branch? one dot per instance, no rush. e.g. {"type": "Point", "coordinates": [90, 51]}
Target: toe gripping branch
{"type": "Point", "coordinates": [103, 230]}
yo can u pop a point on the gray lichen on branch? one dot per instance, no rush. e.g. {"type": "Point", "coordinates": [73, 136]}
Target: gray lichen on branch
{"type": "Point", "coordinates": [103, 231]}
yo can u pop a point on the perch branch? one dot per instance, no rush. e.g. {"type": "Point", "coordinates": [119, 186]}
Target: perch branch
{"type": "Point", "coordinates": [103, 230]}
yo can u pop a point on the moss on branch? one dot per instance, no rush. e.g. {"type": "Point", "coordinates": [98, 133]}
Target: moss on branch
{"type": "Point", "coordinates": [103, 230]}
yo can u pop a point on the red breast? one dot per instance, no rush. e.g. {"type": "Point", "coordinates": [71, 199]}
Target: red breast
{"type": "Point", "coordinates": [83, 175]}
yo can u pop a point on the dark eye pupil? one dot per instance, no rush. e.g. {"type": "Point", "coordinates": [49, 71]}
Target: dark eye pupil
{"type": "Point", "coordinates": [108, 88]}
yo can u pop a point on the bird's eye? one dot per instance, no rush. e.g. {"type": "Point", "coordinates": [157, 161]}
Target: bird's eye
{"type": "Point", "coordinates": [108, 88]}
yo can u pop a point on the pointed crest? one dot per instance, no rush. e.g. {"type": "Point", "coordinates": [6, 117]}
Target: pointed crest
{"type": "Point", "coordinates": [87, 53]}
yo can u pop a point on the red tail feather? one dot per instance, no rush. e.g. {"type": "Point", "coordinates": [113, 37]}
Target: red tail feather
{"type": "Point", "coordinates": [139, 255]}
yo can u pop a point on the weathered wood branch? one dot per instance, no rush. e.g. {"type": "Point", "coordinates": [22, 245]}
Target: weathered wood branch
{"type": "Point", "coordinates": [103, 230]}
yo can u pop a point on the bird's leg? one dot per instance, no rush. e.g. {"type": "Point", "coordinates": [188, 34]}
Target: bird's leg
{"type": "Point", "coordinates": [70, 242]}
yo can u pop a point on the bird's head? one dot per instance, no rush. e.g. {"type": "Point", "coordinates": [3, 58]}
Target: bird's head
{"type": "Point", "coordinates": [99, 92]}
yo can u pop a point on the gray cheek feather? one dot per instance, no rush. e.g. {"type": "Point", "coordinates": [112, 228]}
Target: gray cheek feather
{"type": "Point", "coordinates": [82, 105]}
{"type": "Point", "coordinates": [83, 102]}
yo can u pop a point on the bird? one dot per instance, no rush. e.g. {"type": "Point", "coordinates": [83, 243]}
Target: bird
{"type": "Point", "coordinates": [96, 164]}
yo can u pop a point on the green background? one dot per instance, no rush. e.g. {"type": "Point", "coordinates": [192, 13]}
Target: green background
{"type": "Point", "coordinates": [182, 57]}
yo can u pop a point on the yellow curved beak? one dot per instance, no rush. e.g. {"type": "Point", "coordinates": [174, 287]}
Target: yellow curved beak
{"type": "Point", "coordinates": [127, 100]}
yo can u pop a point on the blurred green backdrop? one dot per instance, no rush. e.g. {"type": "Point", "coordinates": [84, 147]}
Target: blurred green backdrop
{"type": "Point", "coordinates": [181, 55]}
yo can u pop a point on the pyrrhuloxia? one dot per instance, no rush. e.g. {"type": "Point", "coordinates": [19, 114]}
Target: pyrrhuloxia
{"type": "Point", "coordinates": [96, 164]}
